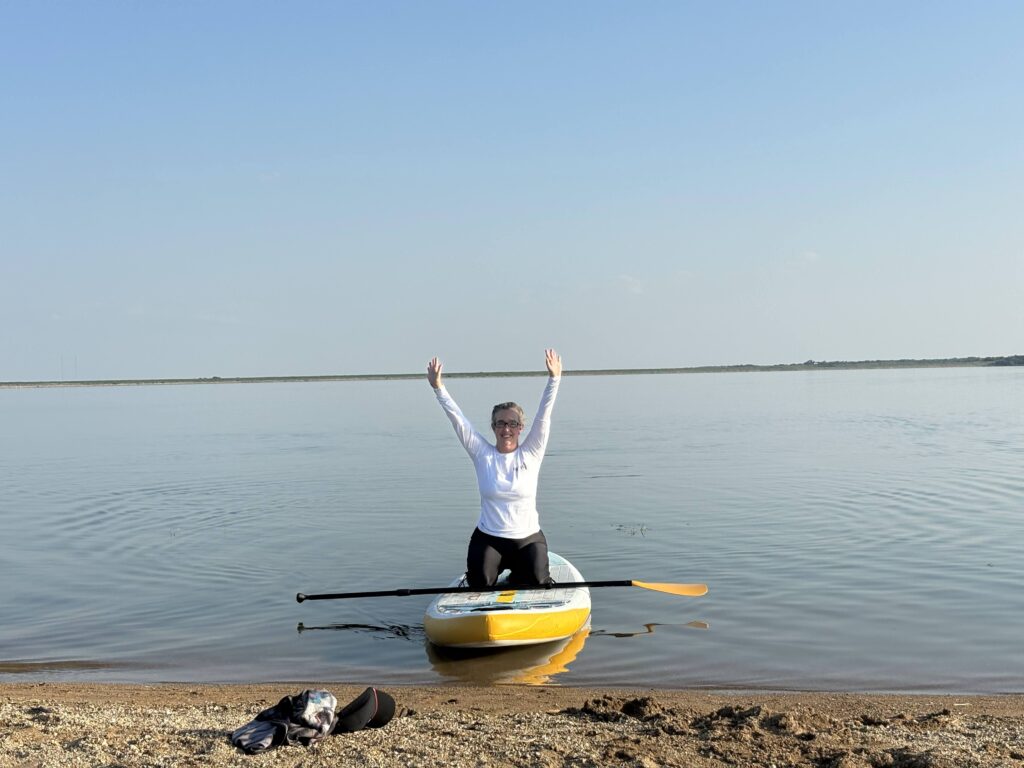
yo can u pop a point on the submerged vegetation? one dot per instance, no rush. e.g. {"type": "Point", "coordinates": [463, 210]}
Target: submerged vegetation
{"type": "Point", "coordinates": [809, 365]}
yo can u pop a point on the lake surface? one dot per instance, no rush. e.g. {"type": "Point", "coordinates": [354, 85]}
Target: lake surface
{"type": "Point", "coordinates": [858, 530]}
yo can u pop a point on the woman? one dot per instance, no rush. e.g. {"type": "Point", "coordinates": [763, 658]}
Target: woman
{"type": "Point", "coordinates": [508, 533]}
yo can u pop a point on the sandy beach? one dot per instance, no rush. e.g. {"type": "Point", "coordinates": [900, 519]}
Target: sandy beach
{"type": "Point", "coordinates": [81, 724]}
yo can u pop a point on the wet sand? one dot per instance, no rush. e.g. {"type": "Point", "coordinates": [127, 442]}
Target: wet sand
{"type": "Point", "coordinates": [80, 724]}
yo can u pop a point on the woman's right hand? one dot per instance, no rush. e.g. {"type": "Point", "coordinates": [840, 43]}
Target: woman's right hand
{"type": "Point", "coordinates": [434, 373]}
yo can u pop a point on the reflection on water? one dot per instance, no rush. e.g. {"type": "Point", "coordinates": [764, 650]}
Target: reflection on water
{"type": "Point", "coordinates": [524, 664]}
{"type": "Point", "coordinates": [649, 629]}
{"type": "Point", "coordinates": [401, 631]}
{"type": "Point", "coordinates": [521, 665]}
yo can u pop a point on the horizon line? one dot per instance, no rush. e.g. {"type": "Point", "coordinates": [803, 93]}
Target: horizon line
{"type": "Point", "coordinates": [947, 362]}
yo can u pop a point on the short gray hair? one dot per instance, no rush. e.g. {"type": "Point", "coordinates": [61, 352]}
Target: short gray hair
{"type": "Point", "coordinates": [510, 406]}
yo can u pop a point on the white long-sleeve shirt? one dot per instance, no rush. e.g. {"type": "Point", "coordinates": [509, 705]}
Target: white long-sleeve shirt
{"type": "Point", "coordinates": [507, 481]}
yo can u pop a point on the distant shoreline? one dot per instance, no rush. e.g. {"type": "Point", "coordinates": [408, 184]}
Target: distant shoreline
{"type": "Point", "coordinates": [809, 365]}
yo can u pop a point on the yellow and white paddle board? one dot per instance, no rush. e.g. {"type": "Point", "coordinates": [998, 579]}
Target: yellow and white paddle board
{"type": "Point", "coordinates": [514, 617]}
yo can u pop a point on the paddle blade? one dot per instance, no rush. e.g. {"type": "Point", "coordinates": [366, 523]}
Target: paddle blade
{"type": "Point", "coordinates": [686, 590]}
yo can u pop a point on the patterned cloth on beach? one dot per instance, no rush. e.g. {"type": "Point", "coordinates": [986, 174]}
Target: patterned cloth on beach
{"type": "Point", "coordinates": [304, 719]}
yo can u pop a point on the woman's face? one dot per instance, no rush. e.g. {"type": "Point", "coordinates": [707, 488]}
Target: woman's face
{"type": "Point", "coordinates": [506, 426]}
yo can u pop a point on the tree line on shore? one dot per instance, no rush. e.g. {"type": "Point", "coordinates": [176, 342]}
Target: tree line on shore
{"type": "Point", "coordinates": [951, 362]}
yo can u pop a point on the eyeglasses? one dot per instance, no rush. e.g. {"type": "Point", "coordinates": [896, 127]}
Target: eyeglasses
{"type": "Point", "coordinates": [501, 424]}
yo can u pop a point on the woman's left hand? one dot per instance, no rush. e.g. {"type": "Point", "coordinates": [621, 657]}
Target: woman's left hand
{"type": "Point", "coordinates": [554, 362]}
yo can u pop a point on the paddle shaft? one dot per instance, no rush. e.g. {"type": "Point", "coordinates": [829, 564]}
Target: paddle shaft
{"type": "Point", "coordinates": [446, 590]}
{"type": "Point", "coordinates": [684, 589]}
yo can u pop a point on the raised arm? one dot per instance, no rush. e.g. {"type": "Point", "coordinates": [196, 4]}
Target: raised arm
{"type": "Point", "coordinates": [537, 440]}
{"type": "Point", "coordinates": [471, 440]}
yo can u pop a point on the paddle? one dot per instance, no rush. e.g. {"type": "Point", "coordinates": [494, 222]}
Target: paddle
{"type": "Point", "coordinates": [685, 590]}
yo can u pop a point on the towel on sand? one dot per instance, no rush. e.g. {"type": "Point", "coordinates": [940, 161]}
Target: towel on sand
{"type": "Point", "coordinates": [310, 716]}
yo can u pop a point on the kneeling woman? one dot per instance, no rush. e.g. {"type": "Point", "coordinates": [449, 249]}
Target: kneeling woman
{"type": "Point", "coordinates": [508, 534]}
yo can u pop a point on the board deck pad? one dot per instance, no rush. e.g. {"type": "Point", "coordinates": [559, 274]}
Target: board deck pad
{"type": "Point", "coordinates": [467, 602]}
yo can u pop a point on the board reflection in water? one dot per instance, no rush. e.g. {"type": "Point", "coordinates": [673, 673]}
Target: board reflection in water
{"type": "Point", "coordinates": [518, 665]}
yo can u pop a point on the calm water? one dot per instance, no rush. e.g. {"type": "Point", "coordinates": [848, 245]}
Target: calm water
{"type": "Point", "coordinates": [858, 530]}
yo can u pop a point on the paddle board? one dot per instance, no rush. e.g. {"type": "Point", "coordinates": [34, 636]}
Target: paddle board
{"type": "Point", "coordinates": [497, 619]}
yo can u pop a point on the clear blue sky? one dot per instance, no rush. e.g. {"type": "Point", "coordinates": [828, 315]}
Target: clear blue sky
{"type": "Point", "coordinates": [246, 188]}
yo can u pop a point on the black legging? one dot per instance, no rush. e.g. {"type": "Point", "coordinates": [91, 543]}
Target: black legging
{"type": "Point", "coordinates": [527, 559]}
